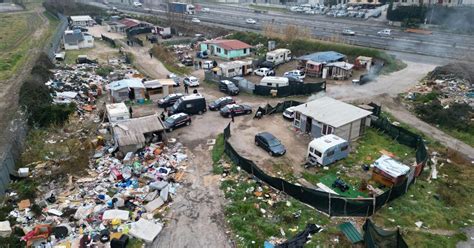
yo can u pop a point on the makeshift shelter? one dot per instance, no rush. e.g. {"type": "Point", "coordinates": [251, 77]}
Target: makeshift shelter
{"type": "Point", "coordinates": [159, 86]}
{"type": "Point", "coordinates": [339, 70]}
{"type": "Point", "coordinates": [389, 171]}
{"type": "Point", "coordinates": [326, 115]}
{"type": "Point", "coordinates": [362, 62]}
{"type": "Point", "coordinates": [133, 134]}
{"type": "Point", "coordinates": [323, 57]}
{"type": "Point", "coordinates": [313, 69]}
{"type": "Point", "coordinates": [233, 68]}
{"type": "Point", "coordinates": [126, 89]}
{"type": "Point", "coordinates": [82, 21]}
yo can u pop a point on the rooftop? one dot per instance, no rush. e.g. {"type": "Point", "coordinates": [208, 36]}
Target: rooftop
{"type": "Point", "coordinates": [331, 111]}
{"type": "Point", "coordinates": [81, 18]}
{"type": "Point", "coordinates": [116, 108]}
{"type": "Point", "coordinates": [131, 131]}
{"type": "Point", "coordinates": [323, 57]}
{"type": "Point", "coordinates": [229, 44]}
{"type": "Point", "coordinates": [125, 83]}
{"type": "Point", "coordinates": [325, 142]}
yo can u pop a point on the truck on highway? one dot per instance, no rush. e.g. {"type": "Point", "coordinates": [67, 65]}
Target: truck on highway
{"type": "Point", "coordinates": [181, 8]}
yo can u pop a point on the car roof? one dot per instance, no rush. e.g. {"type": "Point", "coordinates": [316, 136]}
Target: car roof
{"type": "Point", "coordinates": [226, 82]}
{"type": "Point", "coordinates": [266, 135]}
{"type": "Point", "coordinates": [178, 115]}
{"type": "Point", "coordinates": [224, 98]}
{"type": "Point", "coordinates": [192, 77]}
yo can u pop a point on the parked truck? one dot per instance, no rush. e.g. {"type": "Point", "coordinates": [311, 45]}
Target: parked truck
{"type": "Point", "coordinates": [181, 8]}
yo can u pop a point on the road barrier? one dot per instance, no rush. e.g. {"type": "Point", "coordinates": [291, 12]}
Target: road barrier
{"type": "Point", "coordinates": [331, 204]}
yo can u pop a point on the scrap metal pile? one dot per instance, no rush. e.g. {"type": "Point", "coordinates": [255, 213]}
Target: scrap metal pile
{"type": "Point", "coordinates": [120, 198]}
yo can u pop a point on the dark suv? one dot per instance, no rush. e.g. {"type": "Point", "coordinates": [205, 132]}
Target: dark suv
{"type": "Point", "coordinates": [169, 100]}
{"type": "Point", "coordinates": [239, 109]}
{"type": "Point", "coordinates": [220, 103]}
{"type": "Point", "coordinates": [177, 120]}
{"type": "Point", "coordinates": [270, 144]}
{"type": "Point", "coordinates": [228, 87]}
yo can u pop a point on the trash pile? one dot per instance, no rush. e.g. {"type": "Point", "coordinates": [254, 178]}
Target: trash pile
{"type": "Point", "coordinates": [81, 84]}
{"type": "Point", "coordinates": [120, 198]}
{"type": "Point", "coordinates": [454, 82]}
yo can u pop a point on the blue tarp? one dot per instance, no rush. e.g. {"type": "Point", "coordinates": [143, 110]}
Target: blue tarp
{"type": "Point", "coordinates": [125, 83]}
{"type": "Point", "coordinates": [323, 57]}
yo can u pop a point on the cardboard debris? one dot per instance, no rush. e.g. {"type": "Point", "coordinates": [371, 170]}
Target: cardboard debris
{"type": "Point", "coordinates": [115, 214]}
{"type": "Point", "coordinates": [24, 204]}
{"type": "Point", "coordinates": [153, 205]}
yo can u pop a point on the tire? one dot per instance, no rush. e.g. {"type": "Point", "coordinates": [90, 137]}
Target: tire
{"type": "Point", "coordinates": [188, 123]}
{"type": "Point", "coordinates": [170, 129]}
{"type": "Point", "coordinates": [271, 153]}
{"type": "Point", "coordinates": [200, 112]}
{"type": "Point", "coordinates": [256, 143]}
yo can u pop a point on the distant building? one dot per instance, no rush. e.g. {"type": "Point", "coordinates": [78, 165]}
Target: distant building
{"type": "Point", "coordinates": [447, 3]}
{"type": "Point", "coordinates": [326, 115]}
{"type": "Point", "coordinates": [126, 24]}
{"type": "Point", "coordinates": [75, 40]}
{"type": "Point", "coordinates": [227, 49]}
{"type": "Point", "coordinates": [82, 21]}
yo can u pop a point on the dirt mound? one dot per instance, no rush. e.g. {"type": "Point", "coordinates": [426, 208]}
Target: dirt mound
{"type": "Point", "coordinates": [455, 70]}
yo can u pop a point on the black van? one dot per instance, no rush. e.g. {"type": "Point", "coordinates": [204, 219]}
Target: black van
{"type": "Point", "coordinates": [192, 104]}
{"type": "Point", "coordinates": [228, 87]}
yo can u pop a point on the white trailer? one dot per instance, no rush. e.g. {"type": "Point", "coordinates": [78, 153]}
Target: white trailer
{"type": "Point", "coordinates": [117, 112]}
{"type": "Point", "coordinates": [278, 56]}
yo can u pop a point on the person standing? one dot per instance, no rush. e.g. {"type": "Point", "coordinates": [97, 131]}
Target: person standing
{"type": "Point", "coordinates": [163, 116]}
{"type": "Point", "coordinates": [186, 89]}
{"type": "Point", "coordinates": [200, 64]}
{"type": "Point", "coordinates": [232, 114]}
{"type": "Point", "coordinates": [151, 55]}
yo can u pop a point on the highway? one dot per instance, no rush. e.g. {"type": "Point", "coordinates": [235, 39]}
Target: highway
{"type": "Point", "coordinates": [438, 44]}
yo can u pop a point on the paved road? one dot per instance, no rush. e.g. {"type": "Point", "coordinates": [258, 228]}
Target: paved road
{"type": "Point", "coordinates": [439, 44]}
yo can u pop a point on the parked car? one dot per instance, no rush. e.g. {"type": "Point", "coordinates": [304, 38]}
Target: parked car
{"type": "Point", "coordinates": [205, 10]}
{"type": "Point", "coordinates": [295, 73]}
{"type": "Point", "coordinates": [239, 109]}
{"type": "Point", "coordinates": [187, 61]}
{"type": "Point", "coordinates": [289, 113]}
{"type": "Point", "coordinates": [263, 72]}
{"type": "Point", "coordinates": [175, 79]}
{"type": "Point", "coordinates": [191, 81]}
{"type": "Point", "coordinates": [195, 20]}
{"type": "Point", "coordinates": [348, 32]}
{"type": "Point", "coordinates": [294, 80]}
{"type": "Point", "coordinates": [177, 120]}
{"type": "Point", "coordinates": [202, 55]}
{"type": "Point", "coordinates": [169, 100]}
{"type": "Point", "coordinates": [228, 87]}
{"type": "Point", "coordinates": [250, 21]}
{"type": "Point", "coordinates": [270, 144]}
{"type": "Point", "coordinates": [137, 4]}
{"type": "Point", "coordinates": [385, 32]}
{"type": "Point", "coordinates": [220, 103]}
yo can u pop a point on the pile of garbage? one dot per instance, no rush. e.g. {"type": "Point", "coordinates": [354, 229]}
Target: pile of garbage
{"type": "Point", "coordinates": [120, 198]}
{"type": "Point", "coordinates": [453, 82]}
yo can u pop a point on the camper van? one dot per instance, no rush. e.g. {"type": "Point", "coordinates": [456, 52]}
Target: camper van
{"type": "Point", "coordinates": [274, 81]}
{"type": "Point", "coordinates": [326, 150]}
{"type": "Point", "coordinates": [278, 56]}
{"type": "Point", "coordinates": [192, 104]}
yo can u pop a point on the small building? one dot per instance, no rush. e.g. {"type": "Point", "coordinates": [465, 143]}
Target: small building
{"type": "Point", "coordinates": [133, 134]}
{"type": "Point", "coordinates": [126, 89]}
{"type": "Point", "coordinates": [339, 70]}
{"type": "Point", "coordinates": [322, 57]}
{"type": "Point", "coordinates": [326, 115]}
{"type": "Point", "coordinates": [117, 112]}
{"type": "Point", "coordinates": [362, 62]}
{"type": "Point", "coordinates": [233, 68]}
{"type": "Point", "coordinates": [389, 171]}
{"type": "Point", "coordinates": [125, 24]}
{"type": "Point", "coordinates": [159, 86]}
{"type": "Point", "coordinates": [81, 21]}
{"type": "Point", "coordinates": [227, 49]}
{"type": "Point", "coordinates": [75, 40]}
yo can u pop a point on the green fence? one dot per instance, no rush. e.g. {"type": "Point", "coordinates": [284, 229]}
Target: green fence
{"type": "Point", "coordinates": [291, 90]}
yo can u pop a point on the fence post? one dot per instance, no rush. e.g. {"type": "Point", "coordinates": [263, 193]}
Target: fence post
{"type": "Point", "coordinates": [373, 205]}
{"type": "Point", "coordinates": [329, 208]}
{"type": "Point", "coordinates": [345, 206]}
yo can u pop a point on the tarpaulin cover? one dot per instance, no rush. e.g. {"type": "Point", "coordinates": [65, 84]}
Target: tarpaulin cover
{"type": "Point", "coordinates": [375, 237]}
{"type": "Point", "coordinates": [301, 238]}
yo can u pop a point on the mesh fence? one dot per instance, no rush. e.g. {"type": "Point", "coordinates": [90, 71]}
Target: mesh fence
{"type": "Point", "coordinates": [375, 237]}
{"type": "Point", "coordinates": [109, 40]}
{"type": "Point", "coordinates": [331, 204]}
{"type": "Point", "coordinates": [53, 46]}
{"type": "Point", "coordinates": [291, 90]}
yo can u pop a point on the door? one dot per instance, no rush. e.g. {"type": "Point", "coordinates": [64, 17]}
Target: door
{"type": "Point", "coordinates": [309, 125]}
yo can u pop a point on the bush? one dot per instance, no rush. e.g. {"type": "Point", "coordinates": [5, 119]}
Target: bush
{"type": "Point", "coordinates": [403, 13]}
{"type": "Point", "coordinates": [104, 71]}
{"type": "Point", "coordinates": [70, 7]}
{"type": "Point", "coordinates": [457, 116]}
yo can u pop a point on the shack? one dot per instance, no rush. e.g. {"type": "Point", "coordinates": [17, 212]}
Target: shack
{"type": "Point", "coordinates": [159, 86]}
{"type": "Point", "coordinates": [117, 112]}
{"type": "Point", "coordinates": [314, 63]}
{"type": "Point", "coordinates": [82, 21]}
{"type": "Point", "coordinates": [133, 134]}
{"type": "Point", "coordinates": [389, 171]}
{"type": "Point", "coordinates": [326, 115]}
{"type": "Point", "coordinates": [126, 90]}
{"type": "Point", "coordinates": [233, 68]}
{"type": "Point", "coordinates": [338, 70]}
{"type": "Point", "coordinates": [362, 62]}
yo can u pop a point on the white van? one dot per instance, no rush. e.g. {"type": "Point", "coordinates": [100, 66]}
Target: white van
{"type": "Point", "coordinates": [137, 4]}
{"type": "Point", "coordinates": [207, 64]}
{"type": "Point", "coordinates": [274, 81]}
{"type": "Point", "coordinates": [278, 56]}
{"type": "Point", "coordinates": [327, 149]}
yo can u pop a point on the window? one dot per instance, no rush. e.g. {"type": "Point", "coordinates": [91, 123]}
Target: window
{"type": "Point", "coordinates": [330, 154]}
{"type": "Point", "coordinates": [218, 50]}
{"type": "Point", "coordinates": [231, 70]}
{"type": "Point", "coordinates": [189, 105]}
{"type": "Point", "coordinates": [317, 153]}
{"type": "Point", "coordinates": [344, 148]}
{"type": "Point", "coordinates": [311, 149]}
{"type": "Point", "coordinates": [245, 50]}
{"type": "Point", "coordinates": [225, 52]}
{"type": "Point", "coordinates": [297, 119]}
{"type": "Point", "coordinates": [123, 94]}
{"type": "Point", "coordinates": [327, 129]}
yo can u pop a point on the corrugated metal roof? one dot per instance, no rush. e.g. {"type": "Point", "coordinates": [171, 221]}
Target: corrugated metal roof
{"type": "Point", "coordinates": [323, 57]}
{"type": "Point", "coordinates": [73, 37]}
{"type": "Point", "coordinates": [351, 232]}
{"type": "Point", "coordinates": [331, 111]}
{"type": "Point", "coordinates": [131, 131]}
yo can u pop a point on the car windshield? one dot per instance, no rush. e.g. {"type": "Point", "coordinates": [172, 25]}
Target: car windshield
{"type": "Point", "coordinates": [167, 98]}
{"type": "Point", "coordinates": [218, 101]}
{"type": "Point", "coordinates": [176, 104]}
{"type": "Point", "coordinates": [170, 120]}
{"type": "Point", "coordinates": [272, 142]}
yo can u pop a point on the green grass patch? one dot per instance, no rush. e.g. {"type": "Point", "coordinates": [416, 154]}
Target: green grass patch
{"type": "Point", "coordinates": [135, 243]}
{"type": "Point", "coordinates": [71, 55]}
{"type": "Point", "coordinates": [328, 180]}
{"type": "Point", "coordinates": [217, 153]}
{"type": "Point", "coordinates": [466, 137]}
